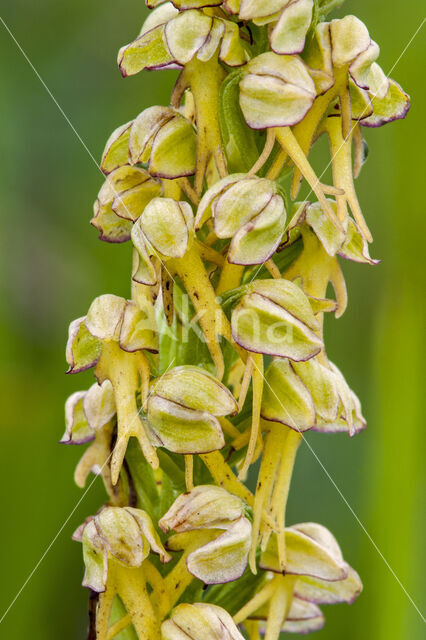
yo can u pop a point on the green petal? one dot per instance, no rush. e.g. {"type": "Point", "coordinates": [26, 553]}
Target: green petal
{"type": "Point", "coordinates": [195, 388]}
{"type": "Point", "coordinates": [288, 35]}
{"type": "Point", "coordinates": [174, 150]}
{"type": "Point", "coordinates": [105, 317]}
{"type": "Point", "coordinates": [204, 507]}
{"type": "Point", "coordinates": [168, 226]}
{"type": "Point", "coordinates": [137, 331]}
{"type": "Point", "coordinates": [286, 399]}
{"type": "Point", "coordinates": [393, 106]}
{"type": "Point", "coordinates": [83, 349]}
{"type": "Point", "coordinates": [121, 535]}
{"type": "Point", "coordinates": [183, 430]}
{"type": "Point", "coordinates": [187, 33]}
{"type": "Point", "coordinates": [95, 559]}
{"type": "Point", "coordinates": [149, 51]}
{"type": "Point", "coordinates": [260, 325]}
{"type": "Point", "coordinates": [325, 592]}
{"type": "Point", "coordinates": [259, 238]}
{"type": "Point", "coordinates": [320, 382]}
{"type": "Point", "coordinates": [116, 149]}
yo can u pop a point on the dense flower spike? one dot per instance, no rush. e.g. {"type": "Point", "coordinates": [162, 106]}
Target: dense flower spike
{"type": "Point", "coordinates": [217, 359]}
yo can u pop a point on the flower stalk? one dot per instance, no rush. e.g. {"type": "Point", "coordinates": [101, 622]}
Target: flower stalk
{"type": "Point", "coordinates": [218, 359]}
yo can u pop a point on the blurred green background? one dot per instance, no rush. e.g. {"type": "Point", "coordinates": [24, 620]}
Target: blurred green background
{"type": "Point", "coordinates": [53, 266]}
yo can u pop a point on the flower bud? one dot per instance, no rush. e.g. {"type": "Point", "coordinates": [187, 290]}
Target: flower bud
{"type": "Point", "coordinates": [205, 507]}
{"type": "Point", "coordinates": [200, 621]}
{"type": "Point", "coordinates": [125, 534]}
{"type": "Point", "coordinates": [310, 395]}
{"type": "Point", "coordinates": [182, 410]}
{"type": "Point", "coordinates": [276, 91]}
{"type": "Point", "coordinates": [276, 318]}
{"type": "Point", "coordinates": [223, 558]}
{"type": "Point", "coordinates": [121, 200]}
{"type": "Point", "coordinates": [169, 38]}
{"type": "Point", "coordinates": [165, 140]}
{"type": "Point", "coordinates": [249, 210]}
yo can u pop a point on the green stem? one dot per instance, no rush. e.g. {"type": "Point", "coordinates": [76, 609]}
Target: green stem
{"type": "Point", "coordinates": [204, 80]}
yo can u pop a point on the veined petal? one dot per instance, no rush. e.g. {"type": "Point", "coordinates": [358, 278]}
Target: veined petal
{"type": "Point", "coordinates": [205, 507]}
{"type": "Point", "coordinates": [195, 388]}
{"type": "Point", "coordinates": [95, 559]}
{"type": "Point", "coordinates": [183, 430]}
{"type": "Point", "coordinates": [148, 51]}
{"type": "Point", "coordinates": [286, 399]}
{"type": "Point", "coordinates": [116, 149]}
{"type": "Point", "coordinates": [187, 33]}
{"type": "Point", "coordinates": [288, 35]}
{"type": "Point", "coordinates": [321, 385]}
{"type": "Point", "coordinates": [326, 592]}
{"type": "Point", "coordinates": [121, 535]}
{"type": "Point", "coordinates": [393, 106]}
{"type": "Point", "coordinates": [225, 558]}
{"type": "Point", "coordinates": [136, 331]}
{"type": "Point", "coordinates": [148, 531]}
{"type": "Point", "coordinates": [105, 317]}
{"type": "Point", "coordinates": [259, 238]}
{"type": "Point", "coordinates": [99, 404]}
{"type": "Point", "coordinates": [168, 226]}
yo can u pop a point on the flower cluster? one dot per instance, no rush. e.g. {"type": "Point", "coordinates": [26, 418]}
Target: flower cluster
{"type": "Point", "coordinates": [217, 359]}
